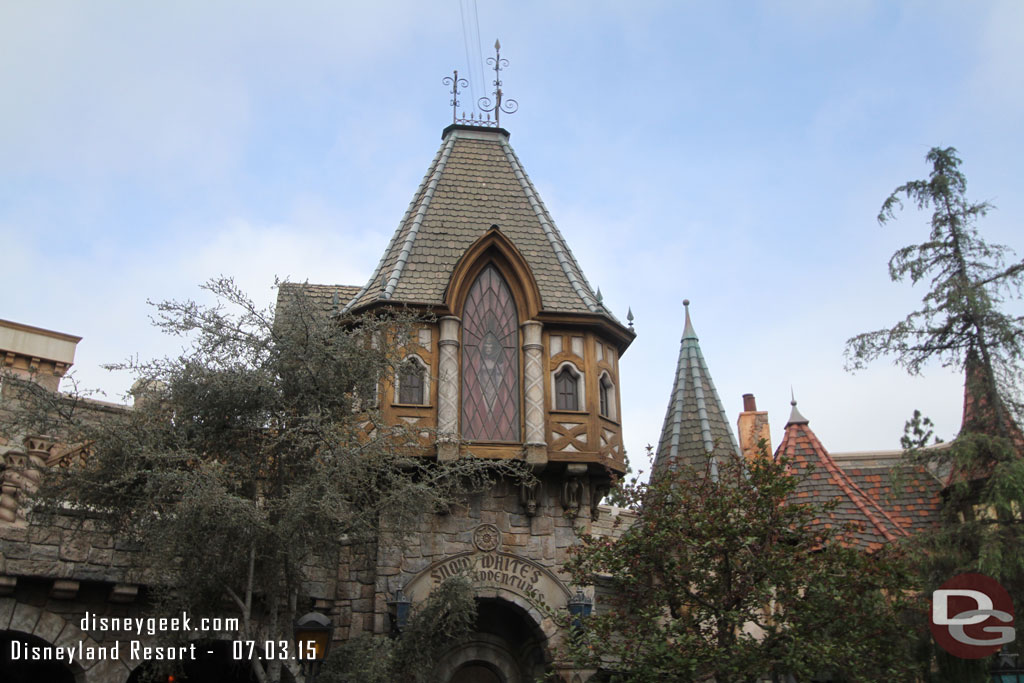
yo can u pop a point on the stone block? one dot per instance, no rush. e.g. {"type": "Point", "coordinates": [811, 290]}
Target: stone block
{"type": "Point", "coordinates": [74, 550]}
{"type": "Point", "coordinates": [12, 533]}
{"type": "Point", "coordinates": [24, 618]}
{"type": "Point", "coordinates": [7, 585]}
{"type": "Point", "coordinates": [71, 635]}
{"type": "Point", "coordinates": [43, 552]}
{"type": "Point", "coordinates": [108, 670]}
{"type": "Point", "coordinates": [100, 556]}
{"type": "Point", "coordinates": [64, 589]}
{"type": "Point", "coordinates": [6, 611]}
{"type": "Point", "coordinates": [32, 568]}
{"type": "Point", "coordinates": [541, 526]}
{"type": "Point", "coordinates": [17, 550]}
{"type": "Point", "coordinates": [501, 520]}
{"type": "Point", "coordinates": [49, 626]}
{"type": "Point", "coordinates": [362, 605]}
{"type": "Point", "coordinates": [44, 535]}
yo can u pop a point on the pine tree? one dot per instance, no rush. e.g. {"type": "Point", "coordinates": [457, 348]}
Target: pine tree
{"type": "Point", "coordinates": [963, 324]}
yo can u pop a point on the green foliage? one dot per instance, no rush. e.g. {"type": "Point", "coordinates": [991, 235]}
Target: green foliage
{"type": "Point", "coordinates": [448, 614]}
{"type": "Point", "coordinates": [960, 318]}
{"type": "Point", "coordinates": [253, 459]}
{"type": "Point", "coordinates": [961, 324]}
{"type": "Point", "coordinates": [733, 578]}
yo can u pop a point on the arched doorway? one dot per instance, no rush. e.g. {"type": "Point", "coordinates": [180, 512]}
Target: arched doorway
{"type": "Point", "coordinates": [506, 647]}
{"type": "Point", "coordinates": [16, 669]}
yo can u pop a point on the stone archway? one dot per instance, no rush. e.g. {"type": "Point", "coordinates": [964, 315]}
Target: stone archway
{"type": "Point", "coordinates": [508, 646]}
{"type": "Point", "coordinates": [18, 665]}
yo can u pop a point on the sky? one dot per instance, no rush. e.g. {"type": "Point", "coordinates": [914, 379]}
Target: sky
{"type": "Point", "coordinates": [732, 153]}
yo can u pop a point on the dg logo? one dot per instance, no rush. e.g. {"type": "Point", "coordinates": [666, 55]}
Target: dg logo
{"type": "Point", "coordinates": [972, 616]}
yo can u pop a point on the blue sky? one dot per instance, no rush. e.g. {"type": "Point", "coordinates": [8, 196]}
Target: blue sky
{"type": "Point", "coordinates": [732, 153]}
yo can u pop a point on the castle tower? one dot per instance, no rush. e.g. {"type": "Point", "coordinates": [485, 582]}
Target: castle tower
{"type": "Point", "coordinates": [696, 429]}
{"type": "Point", "coordinates": [522, 362]}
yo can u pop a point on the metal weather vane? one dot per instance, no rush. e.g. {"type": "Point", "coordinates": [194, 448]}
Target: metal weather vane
{"type": "Point", "coordinates": [484, 103]}
{"type": "Point", "coordinates": [456, 83]}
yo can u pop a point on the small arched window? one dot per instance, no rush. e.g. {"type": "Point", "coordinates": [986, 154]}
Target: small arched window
{"type": "Point", "coordinates": [411, 383]}
{"type": "Point", "coordinates": [606, 392]}
{"type": "Point", "coordinates": [567, 390]}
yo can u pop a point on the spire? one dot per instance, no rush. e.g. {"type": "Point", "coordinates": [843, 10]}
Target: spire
{"type": "Point", "coordinates": [824, 481]}
{"type": "Point", "coordinates": [795, 418]}
{"type": "Point", "coordinates": [696, 426]}
{"type": "Point", "coordinates": [688, 332]}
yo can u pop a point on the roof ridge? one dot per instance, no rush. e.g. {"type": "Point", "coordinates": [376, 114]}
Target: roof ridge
{"type": "Point", "coordinates": [414, 229]}
{"type": "Point", "coordinates": [718, 400]}
{"type": "Point", "coordinates": [561, 249]}
{"type": "Point", "coordinates": [394, 238]}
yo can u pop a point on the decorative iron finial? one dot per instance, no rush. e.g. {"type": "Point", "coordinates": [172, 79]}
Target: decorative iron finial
{"type": "Point", "coordinates": [629, 317]}
{"type": "Point", "coordinates": [795, 418]}
{"type": "Point", "coordinates": [456, 83]}
{"type": "Point", "coordinates": [509, 106]}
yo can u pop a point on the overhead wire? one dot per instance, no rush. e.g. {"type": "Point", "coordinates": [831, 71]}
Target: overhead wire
{"type": "Point", "coordinates": [469, 58]}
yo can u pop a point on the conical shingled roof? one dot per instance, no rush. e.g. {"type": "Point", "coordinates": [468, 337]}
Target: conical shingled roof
{"type": "Point", "coordinates": [475, 181]}
{"type": "Point", "coordinates": [828, 481]}
{"type": "Point", "coordinates": [696, 424]}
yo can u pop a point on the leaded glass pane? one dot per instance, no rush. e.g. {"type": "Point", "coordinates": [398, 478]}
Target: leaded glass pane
{"type": "Point", "coordinates": [490, 361]}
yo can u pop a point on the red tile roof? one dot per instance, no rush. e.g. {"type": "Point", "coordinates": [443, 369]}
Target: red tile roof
{"type": "Point", "coordinates": [826, 481]}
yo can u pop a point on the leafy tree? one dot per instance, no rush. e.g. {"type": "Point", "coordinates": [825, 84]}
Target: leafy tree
{"type": "Point", "coordinates": [733, 579]}
{"type": "Point", "coordinates": [253, 459]}
{"type": "Point", "coordinates": [448, 614]}
{"type": "Point", "coordinates": [962, 323]}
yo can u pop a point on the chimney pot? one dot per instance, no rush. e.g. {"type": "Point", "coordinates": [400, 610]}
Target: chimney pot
{"type": "Point", "coordinates": [749, 404]}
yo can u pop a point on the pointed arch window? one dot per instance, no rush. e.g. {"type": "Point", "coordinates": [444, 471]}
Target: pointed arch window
{"type": "Point", "coordinates": [567, 395]}
{"type": "Point", "coordinates": [606, 396]}
{"type": "Point", "coordinates": [412, 383]}
{"type": "Point", "coordinates": [490, 360]}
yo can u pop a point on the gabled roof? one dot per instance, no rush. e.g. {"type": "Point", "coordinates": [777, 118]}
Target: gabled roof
{"type": "Point", "coordinates": [696, 425]}
{"type": "Point", "coordinates": [475, 181]}
{"type": "Point", "coordinates": [827, 481]}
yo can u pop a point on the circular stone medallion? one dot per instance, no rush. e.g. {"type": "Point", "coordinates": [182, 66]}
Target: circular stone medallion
{"type": "Point", "coordinates": [486, 537]}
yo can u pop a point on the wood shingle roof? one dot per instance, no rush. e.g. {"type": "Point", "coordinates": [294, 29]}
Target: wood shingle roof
{"type": "Point", "coordinates": [475, 181]}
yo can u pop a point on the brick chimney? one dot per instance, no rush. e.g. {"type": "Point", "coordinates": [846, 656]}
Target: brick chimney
{"type": "Point", "coordinates": [752, 426]}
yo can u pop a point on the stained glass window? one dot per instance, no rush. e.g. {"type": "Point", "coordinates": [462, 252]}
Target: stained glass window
{"type": "Point", "coordinates": [490, 361]}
